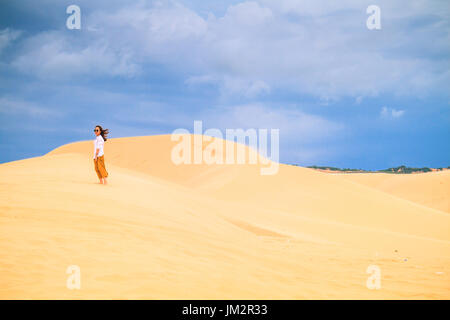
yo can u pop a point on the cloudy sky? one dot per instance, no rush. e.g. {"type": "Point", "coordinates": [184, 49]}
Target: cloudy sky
{"type": "Point", "coordinates": [341, 94]}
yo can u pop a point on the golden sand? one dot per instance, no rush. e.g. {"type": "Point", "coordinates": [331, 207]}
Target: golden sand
{"type": "Point", "coordinates": [161, 231]}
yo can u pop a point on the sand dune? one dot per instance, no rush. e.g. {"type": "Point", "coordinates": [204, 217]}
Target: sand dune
{"type": "Point", "coordinates": [161, 231]}
{"type": "Point", "coordinates": [429, 189]}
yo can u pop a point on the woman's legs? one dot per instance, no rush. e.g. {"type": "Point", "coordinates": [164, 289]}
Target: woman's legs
{"type": "Point", "coordinates": [102, 170]}
{"type": "Point", "coordinates": [97, 170]}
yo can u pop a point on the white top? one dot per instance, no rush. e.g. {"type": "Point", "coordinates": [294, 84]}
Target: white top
{"type": "Point", "coordinates": [98, 144]}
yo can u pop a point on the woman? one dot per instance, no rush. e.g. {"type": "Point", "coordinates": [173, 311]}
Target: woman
{"type": "Point", "coordinates": [99, 160]}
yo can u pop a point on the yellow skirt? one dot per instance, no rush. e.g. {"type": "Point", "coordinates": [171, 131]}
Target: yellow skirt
{"type": "Point", "coordinates": [100, 167]}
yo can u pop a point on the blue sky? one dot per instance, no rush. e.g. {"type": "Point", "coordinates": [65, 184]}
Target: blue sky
{"type": "Point", "coordinates": [341, 95]}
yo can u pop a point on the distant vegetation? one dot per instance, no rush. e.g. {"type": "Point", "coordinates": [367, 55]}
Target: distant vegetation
{"type": "Point", "coordinates": [337, 169]}
{"type": "Point", "coordinates": [400, 169]}
{"type": "Point", "coordinates": [404, 169]}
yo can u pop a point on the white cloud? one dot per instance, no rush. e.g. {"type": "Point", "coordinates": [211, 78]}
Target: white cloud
{"type": "Point", "coordinates": [53, 55]}
{"type": "Point", "coordinates": [241, 87]}
{"type": "Point", "coordinates": [200, 80]}
{"type": "Point", "coordinates": [315, 47]}
{"type": "Point", "coordinates": [397, 113]}
{"type": "Point", "coordinates": [247, 13]}
{"type": "Point", "coordinates": [294, 125]}
{"type": "Point", "coordinates": [27, 108]}
{"type": "Point", "coordinates": [391, 113]}
{"type": "Point", "coordinates": [358, 100]}
{"type": "Point", "coordinates": [7, 36]}
{"type": "Point", "coordinates": [163, 21]}
{"type": "Point", "coordinates": [232, 86]}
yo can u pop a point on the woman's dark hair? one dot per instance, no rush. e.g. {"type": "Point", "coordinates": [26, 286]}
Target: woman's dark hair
{"type": "Point", "coordinates": [103, 132]}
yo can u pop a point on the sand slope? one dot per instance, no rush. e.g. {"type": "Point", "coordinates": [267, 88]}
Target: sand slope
{"type": "Point", "coordinates": [429, 189]}
{"type": "Point", "coordinates": [216, 231]}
